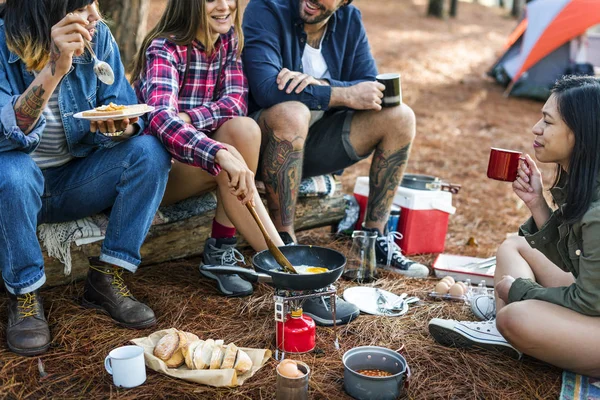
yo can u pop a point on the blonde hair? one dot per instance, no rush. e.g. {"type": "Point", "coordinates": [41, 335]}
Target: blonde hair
{"type": "Point", "coordinates": [28, 25]}
{"type": "Point", "coordinates": [179, 23]}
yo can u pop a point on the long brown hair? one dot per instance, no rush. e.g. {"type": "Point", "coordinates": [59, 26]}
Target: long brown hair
{"type": "Point", "coordinates": [28, 24]}
{"type": "Point", "coordinates": [179, 23]}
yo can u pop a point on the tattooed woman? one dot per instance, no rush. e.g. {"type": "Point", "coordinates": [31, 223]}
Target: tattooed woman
{"type": "Point", "coordinates": [57, 168]}
{"type": "Point", "coordinates": [189, 69]}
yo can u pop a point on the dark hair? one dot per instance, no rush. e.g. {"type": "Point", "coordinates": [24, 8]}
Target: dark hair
{"type": "Point", "coordinates": [179, 23]}
{"type": "Point", "coordinates": [578, 103]}
{"type": "Point", "coordinates": [28, 24]}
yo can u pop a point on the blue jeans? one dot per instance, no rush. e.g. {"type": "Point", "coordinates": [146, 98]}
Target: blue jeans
{"type": "Point", "coordinates": [130, 177]}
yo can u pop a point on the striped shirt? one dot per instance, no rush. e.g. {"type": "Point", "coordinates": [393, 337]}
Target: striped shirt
{"type": "Point", "coordinates": [161, 85]}
{"type": "Point", "coordinates": [53, 150]}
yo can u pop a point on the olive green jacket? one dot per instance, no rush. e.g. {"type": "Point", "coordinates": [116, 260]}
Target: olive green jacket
{"type": "Point", "coordinates": [573, 248]}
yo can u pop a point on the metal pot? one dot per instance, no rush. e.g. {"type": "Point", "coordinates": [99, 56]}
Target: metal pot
{"type": "Point", "coordinates": [428, 182]}
{"type": "Point", "coordinates": [364, 387]}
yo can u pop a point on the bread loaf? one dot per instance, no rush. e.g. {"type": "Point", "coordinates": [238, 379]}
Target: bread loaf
{"type": "Point", "coordinates": [243, 363]}
{"type": "Point", "coordinates": [166, 346]}
{"type": "Point", "coordinates": [177, 359]}
{"type": "Point", "coordinates": [217, 357]}
{"type": "Point", "coordinates": [177, 348]}
{"type": "Point", "coordinates": [188, 353]}
{"type": "Point", "coordinates": [229, 357]}
{"type": "Point", "coordinates": [203, 361]}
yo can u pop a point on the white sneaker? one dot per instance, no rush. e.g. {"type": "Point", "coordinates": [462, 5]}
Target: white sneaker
{"type": "Point", "coordinates": [484, 307]}
{"type": "Point", "coordinates": [466, 334]}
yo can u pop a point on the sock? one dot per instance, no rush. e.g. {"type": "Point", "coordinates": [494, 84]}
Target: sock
{"type": "Point", "coordinates": [221, 231]}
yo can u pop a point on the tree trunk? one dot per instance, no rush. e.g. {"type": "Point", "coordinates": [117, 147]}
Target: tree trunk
{"type": "Point", "coordinates": [517, 8]}
{"type": "Point", "coordinates": [453, 7]}
{"type": "Point", "coordinates": [436, 8]}
{"type": "Point", "coordinates": [127, 21]}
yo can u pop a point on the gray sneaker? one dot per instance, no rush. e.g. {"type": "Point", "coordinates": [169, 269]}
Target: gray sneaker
{"type": "Point", "coordinates": [223, 252]}
{"type": "Point", "coordinates": [318, 308]}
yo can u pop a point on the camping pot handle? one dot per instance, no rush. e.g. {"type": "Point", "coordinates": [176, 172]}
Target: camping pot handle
{"type": "Point", "coordinates": [451, 187]}
{"type": "Point", "coordinates": [408, 373]}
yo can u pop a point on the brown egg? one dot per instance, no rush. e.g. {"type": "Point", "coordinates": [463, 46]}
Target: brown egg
{"type": "Point", "coordinates": [442, 288]}
{"type": "Point", "coordinates": [463, 286]}
{"type": "Point", "coordinates": [449, 279]}
{"type": "Point", "coordinates": [300, 374]}
{"type": "Point", "coordinates": [288, 369]}
{"type": "Point", "coordinates": [456, 290]}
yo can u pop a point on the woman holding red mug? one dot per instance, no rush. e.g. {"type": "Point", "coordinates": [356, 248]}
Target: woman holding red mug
{"type": "Point", "coordinates": [547, 279]}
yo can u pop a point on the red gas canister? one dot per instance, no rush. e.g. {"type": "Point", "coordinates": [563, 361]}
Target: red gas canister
{"type": "Point", "coordinates": [297, 333]}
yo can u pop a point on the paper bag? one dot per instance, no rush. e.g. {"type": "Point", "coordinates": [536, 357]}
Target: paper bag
{"type": "Point", "coordinates": [210, 377]}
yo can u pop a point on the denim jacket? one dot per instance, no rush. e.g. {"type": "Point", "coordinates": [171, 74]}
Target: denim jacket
{"type": "Point", "coordinates": [573, 248]}
{"type": "Point", "coordinates": [275, 39]}
{"type": "Point", "coordinates": [79, 90]}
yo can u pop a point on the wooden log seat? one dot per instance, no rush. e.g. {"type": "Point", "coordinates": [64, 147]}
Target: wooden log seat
{"type": "Point", "coordinates": [178, 231]}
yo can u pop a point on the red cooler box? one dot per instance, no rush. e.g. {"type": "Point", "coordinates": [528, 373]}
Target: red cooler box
{"type": "Point", "coordinates": [423, 216]}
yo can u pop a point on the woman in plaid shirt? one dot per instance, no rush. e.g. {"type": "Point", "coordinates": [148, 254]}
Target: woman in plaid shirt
{"type": "Point", "coordinates": [189, 69]}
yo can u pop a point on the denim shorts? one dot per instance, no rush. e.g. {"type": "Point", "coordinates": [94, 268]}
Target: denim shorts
{"type": "Point", "coordinates": [327, 148]}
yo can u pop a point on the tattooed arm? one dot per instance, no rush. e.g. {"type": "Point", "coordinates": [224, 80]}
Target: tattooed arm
{"type": "Point", "coordinates": [67, 40]}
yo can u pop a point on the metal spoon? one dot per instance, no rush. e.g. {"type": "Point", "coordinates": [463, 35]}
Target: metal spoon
{"type": "Point", "coordinates": [102, 69]}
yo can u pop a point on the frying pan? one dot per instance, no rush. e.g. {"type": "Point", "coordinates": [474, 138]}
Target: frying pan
{"type": "Point", "coordinates": [269, 271]}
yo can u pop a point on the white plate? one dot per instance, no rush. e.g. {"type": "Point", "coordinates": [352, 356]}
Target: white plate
{"type": "Point", "coordinates": [135, 111]}
{"type": "Point", "coordinates": [365, 298]}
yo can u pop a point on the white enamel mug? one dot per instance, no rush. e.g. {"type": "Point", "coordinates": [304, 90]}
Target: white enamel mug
{"type": "Point", "coordinates": [126, 365]}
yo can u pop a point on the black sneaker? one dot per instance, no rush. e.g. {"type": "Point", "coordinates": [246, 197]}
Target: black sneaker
{"type": "Point", "coordinates": [223, 252]}
{"type": "Point", "coordinates": [287, 239]}
{"type": "Point", "coordinates": [318, 308]}
{"type": "Point", "coordinates": [390, 257]}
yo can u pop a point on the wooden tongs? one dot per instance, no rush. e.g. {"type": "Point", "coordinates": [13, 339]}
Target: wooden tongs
{"type": "Point", "coordinates": [275, 252]}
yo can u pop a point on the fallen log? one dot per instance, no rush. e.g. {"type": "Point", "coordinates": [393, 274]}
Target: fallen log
{"type": "Point", "coordinates": [186, 238]}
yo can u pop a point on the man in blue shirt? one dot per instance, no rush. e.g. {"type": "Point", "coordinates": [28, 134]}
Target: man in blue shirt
{"type": "Point", "coordinates": [314, 94]}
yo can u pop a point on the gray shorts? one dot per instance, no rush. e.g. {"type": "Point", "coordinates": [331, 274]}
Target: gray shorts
{"type": "Point", "coordinates": [327, 148]}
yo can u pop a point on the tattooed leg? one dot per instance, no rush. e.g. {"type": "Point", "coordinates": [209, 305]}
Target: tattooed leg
{"type": "Point", "coordinates": [389, 133]}
{"type": "Point", "coordinates": [281, 173]}
{"type": "Point", "coordinates": [29, 107]}
{"type": "Point", "coordinates": [386, 170]}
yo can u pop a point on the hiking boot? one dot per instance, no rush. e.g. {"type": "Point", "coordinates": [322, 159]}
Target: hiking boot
{"type": "Point", "coordinates": [318, 308]}
{"type": "Point", "coordinates": [106, 291]}
{"type": "Point", "coordinates": [464, 334]}
{"type": "Point", "coordinates": [287, 239]}
{"type": "Point", "coordinates": [484, 307]}
{"type": "Point", "coordinates": [27, 332]}
{"type": "Point", "coordinates": [223, 252]}
{"type": "Point", "coordinates": [390, 257]}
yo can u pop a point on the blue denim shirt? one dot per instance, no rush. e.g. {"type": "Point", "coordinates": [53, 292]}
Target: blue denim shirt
{"type": "Point", "coordinates": [275, 39]}
{"type": "Point", "coordinates": [79, 90]}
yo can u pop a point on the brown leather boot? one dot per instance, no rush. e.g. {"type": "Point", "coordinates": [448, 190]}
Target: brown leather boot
{"type": "Point", "coordinates": [105, 290]}
{"type": "Point", "coordinates": [27, 332]}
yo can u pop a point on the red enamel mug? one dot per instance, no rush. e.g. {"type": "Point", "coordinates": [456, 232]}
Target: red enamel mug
{"type": "Point", "coordinates": [503, 164]}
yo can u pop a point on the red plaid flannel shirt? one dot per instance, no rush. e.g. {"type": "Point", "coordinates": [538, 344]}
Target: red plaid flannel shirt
{"type": "Point", "coordinates": [161, 86]}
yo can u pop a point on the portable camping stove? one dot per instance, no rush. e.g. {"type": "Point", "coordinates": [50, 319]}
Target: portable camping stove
{"type": "Point", "coordinates": [288, 302]}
